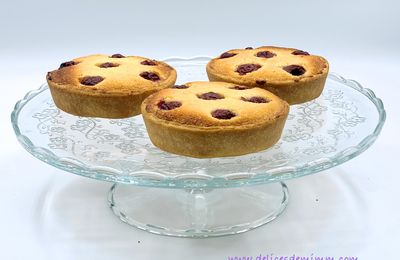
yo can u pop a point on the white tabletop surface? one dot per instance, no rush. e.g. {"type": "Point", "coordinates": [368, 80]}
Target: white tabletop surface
{"type": "Point", "coordinates": [50, 214]}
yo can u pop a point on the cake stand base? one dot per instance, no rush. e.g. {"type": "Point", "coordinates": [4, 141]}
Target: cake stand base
{"type": "Point", "coordinates": [198, 212]}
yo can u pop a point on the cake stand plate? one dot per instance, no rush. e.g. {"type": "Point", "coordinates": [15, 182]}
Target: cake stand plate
{"type": "Point", "coordinates": [201, 197]}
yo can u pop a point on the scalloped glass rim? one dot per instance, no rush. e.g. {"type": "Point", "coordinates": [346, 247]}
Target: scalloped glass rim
{"type": "Point", "coordinates": [192, 180]}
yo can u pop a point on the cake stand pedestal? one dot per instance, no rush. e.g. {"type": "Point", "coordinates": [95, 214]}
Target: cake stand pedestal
{"type": "Point", "coordinates": [202, 212]}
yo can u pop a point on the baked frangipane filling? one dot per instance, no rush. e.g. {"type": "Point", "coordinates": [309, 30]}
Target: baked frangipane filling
{"type": "Point", "coordinates": [294, 75]}
{"type": "Point", "coordinates": [214, 119]}
{"type": "Point", "coordinates": [107, 86]}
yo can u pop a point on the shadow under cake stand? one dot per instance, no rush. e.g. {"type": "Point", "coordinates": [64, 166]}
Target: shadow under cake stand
{"type": "Point", "coordinates": [175, 195]}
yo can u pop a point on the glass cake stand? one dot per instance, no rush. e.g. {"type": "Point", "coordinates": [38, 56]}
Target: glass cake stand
{"type": "Point", "coordinates": [174, 195]}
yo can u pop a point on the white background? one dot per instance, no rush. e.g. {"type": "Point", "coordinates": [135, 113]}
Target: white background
{"type": "Point", "coordinates": [50, 214]}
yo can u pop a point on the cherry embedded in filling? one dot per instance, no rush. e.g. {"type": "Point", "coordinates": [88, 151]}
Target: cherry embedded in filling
{"type": "Point", "coordinates": [168, 105]}
{"type": "Point", "coordinates": [117, 55]}
{"type": "Point", "coordinates": [239, 87]}
{"type": "Point", "coordinates": [210, 96]}
{"type": "Point", "coordinates": [67, 64]}
{"type": "Point", "coordinates": [295, 70]}
{"type": "Point", "coordinates": [150, 76]}
{"type": "Point", "coordinates": [248, 48]}
{"type": "Point", "coordinates": [180, 86]}
{"type": "Point", "coordinates": [265, 54]}
{"type": "Point", "coordinates": [247, 68]}
{"type": "Point", "coordinates": [255, 100]}
{"type": "Point", "coordinates": [148, 63]}
{"type": "Point", "coordinates": [108, 65]}
{"type": "Point", "coordinates": [223, 114]}
{"type": "Point", "coordinates": [300, 52]}
{"type": "Point", "coordinates": [226, 55]}
{"type": "Point", "coordinates": [91, 80]}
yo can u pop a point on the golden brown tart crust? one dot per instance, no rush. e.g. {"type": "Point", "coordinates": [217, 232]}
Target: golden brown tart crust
{"type": "Point", "coordinates": [107, 86]}
{"type": "Point", "coordinates": [214, 119]}
{"type": "Point", "coordinates": [291, 74]}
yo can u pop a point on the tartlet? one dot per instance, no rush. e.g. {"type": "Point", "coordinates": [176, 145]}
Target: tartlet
{"type": "Point", "coordinates": [107, 86]}
{"type": "Point", "coordinates": [293, 75]}
{"type": "Point", "coordinates": [214, 119]}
